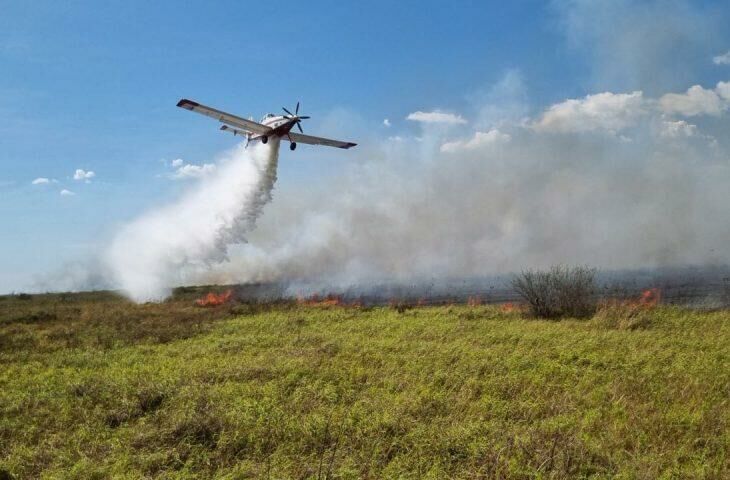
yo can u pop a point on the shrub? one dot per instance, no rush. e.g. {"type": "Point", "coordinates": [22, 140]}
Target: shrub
{"type": "Point", "coordinates": [558, 292]}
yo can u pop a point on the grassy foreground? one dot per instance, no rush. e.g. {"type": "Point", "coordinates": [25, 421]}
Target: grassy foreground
{"type": "Point", "coordinates": [92, 386]}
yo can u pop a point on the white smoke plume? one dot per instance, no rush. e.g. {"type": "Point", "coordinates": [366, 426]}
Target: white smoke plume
{"type": "Point", "coordinates": [170, 245]}
{"type": "Point", "coordinates": [622, 194]}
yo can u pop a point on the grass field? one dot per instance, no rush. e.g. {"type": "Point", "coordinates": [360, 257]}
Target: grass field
{"type": "Point", "coordinates": [95, 387]}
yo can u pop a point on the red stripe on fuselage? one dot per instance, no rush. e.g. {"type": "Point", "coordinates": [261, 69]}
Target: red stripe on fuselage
{"type": "Point", "coordinates": [280, 131]}
{"type": "Point", "coordinates": [284, 129]}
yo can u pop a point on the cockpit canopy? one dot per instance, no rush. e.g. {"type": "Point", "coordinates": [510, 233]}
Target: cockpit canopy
{"type": "Point", "coordinates": [267, 116]}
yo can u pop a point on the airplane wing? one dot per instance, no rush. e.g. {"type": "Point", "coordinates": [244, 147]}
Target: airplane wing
{"type": "Point", "coordinates": [223, 117]}
{"type": "Point", "coordinates": [301, 138]}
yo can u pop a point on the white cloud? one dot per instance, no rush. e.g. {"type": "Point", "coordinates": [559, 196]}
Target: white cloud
{"type": "Point", "coordinates": [386, 122]}
{"type": "Point", "coordinates": [193, 171]}
{"type": "Point", "coordinates": [184, 170]}
{"type": "Point", "coordinates": [723, 59]}
{"type": "Point", "coordinates": [67, 193]}
{"type": "Point", "coordinates": [41, 181]}
{"type": "Point", "coordinates": [697, 101]}
{"type": "Point", "coordinates": [680, 128]}
{"type": "Point", "coordinates": [81, 174]}
{"type": "Point", "coordinates": [479, 140]}
{"type": "Point", "coordinates": [723, 89]}
{"type": "Point", "coordinates": [602, 111]}
{"type": "Point", "coordinates": [436, 117]}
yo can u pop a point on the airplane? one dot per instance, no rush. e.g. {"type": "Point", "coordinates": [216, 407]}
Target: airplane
{"type": "Point", "coordinates": [271, 126]}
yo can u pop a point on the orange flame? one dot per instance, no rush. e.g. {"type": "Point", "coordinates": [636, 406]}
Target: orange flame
{"type": "Point", "coordinates": [214, 299]}
{"type": "Point", "coordinates": [650, 298]}
{"type": "Point", "coordinates": [508, 307]}
{"type": "Point", "coordinates": [327, 301]}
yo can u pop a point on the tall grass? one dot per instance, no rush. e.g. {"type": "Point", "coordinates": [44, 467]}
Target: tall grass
{"type": "Point", "coordinates": [101, 388]}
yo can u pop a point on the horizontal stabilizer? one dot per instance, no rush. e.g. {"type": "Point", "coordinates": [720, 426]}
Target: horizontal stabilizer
{"type": "Point", "coordinates": [234, 130]}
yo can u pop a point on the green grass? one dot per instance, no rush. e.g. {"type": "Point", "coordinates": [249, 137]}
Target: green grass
{"type": "Point", "coordinates": [92, 386]}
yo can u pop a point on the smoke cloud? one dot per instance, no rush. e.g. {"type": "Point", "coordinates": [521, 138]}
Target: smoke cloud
{"type": "Point", "coordinates": [609, 180]}
{"type": "Point", "coordinates": [172, 244]}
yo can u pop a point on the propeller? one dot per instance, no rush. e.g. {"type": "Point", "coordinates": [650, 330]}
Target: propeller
{"type": "Point", "coordinates": [295, 116]}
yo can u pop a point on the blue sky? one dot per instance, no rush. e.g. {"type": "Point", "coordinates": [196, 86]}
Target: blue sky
{"type": "Point", "coordinates": [93, 86]}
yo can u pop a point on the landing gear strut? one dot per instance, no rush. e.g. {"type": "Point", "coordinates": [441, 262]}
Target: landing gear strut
{"type": "Point", "coordinates": [293, 146]}
{"type": "Point", "coordinates": [264, 139]}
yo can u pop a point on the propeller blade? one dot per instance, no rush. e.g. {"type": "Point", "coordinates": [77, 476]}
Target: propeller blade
{"type": "Point", "coordinates": [304, 117]}
{"type": "Point", "coordinates": [300, 127]}
{"type": "Point", "coordinates": [297, 109]}
{"type": "Point", "coordinates": [287, 111]}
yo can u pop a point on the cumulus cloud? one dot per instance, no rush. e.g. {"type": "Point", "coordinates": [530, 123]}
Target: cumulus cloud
{"type": "Point", "coordinates": [723, 89]}
{"type": "Point", "coordinates": [680, 128]}
{"type": "Point", "coordinates": [478, 141]}
{"type": "Point", "coordinates": [83, 175]}
{"type": "Point", "coordinates": [190, 170]}
{"type": "Point", "coordinates": [41, 181]}
{"type": "Point", "coordinates": [696, 101]}
{"type": "Point", "coordinates": [182, 170]}
{"type": "Point", "coordinates": [602, 111]}
{"type": "Point", "coordinates": [436, 117]}
{"type": "Point", "coordinates": [723, 59]}
{"type": "Point", "coordinates": [67, 193]}
{"type": "Point", "coordinates": [386, 122]}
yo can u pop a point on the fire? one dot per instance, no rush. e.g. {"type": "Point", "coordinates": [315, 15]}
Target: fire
{"type": "Point", "coordinates": [214, 299]}
{"type": "Point", "coordinates": [326, 301]}
{"type": "Point", "coordinates": [647, 300]}
{"type": "Point", "coordinates": [650, 298]}
{"type": "Point", "coordinates": [508, 307]}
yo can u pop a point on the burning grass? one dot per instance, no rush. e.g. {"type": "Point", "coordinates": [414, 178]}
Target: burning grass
{"type": "Point", "coordinates": [326, 301]}
{"type": "Point", "coordinates": [213, 299]}
{"type": "Point", "coordinates": [93, 386]}
{"type": "Point", "coordinates": [629, 314]}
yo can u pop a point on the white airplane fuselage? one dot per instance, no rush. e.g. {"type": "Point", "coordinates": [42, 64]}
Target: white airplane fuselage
{"type": "Point", "coordinates": [280, 125]}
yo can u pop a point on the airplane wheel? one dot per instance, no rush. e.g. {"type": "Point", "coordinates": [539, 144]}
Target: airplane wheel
{"type": "Point", "coordinates": [293, 146]}
{"type": "Point", "coordinates": [264, 139]}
